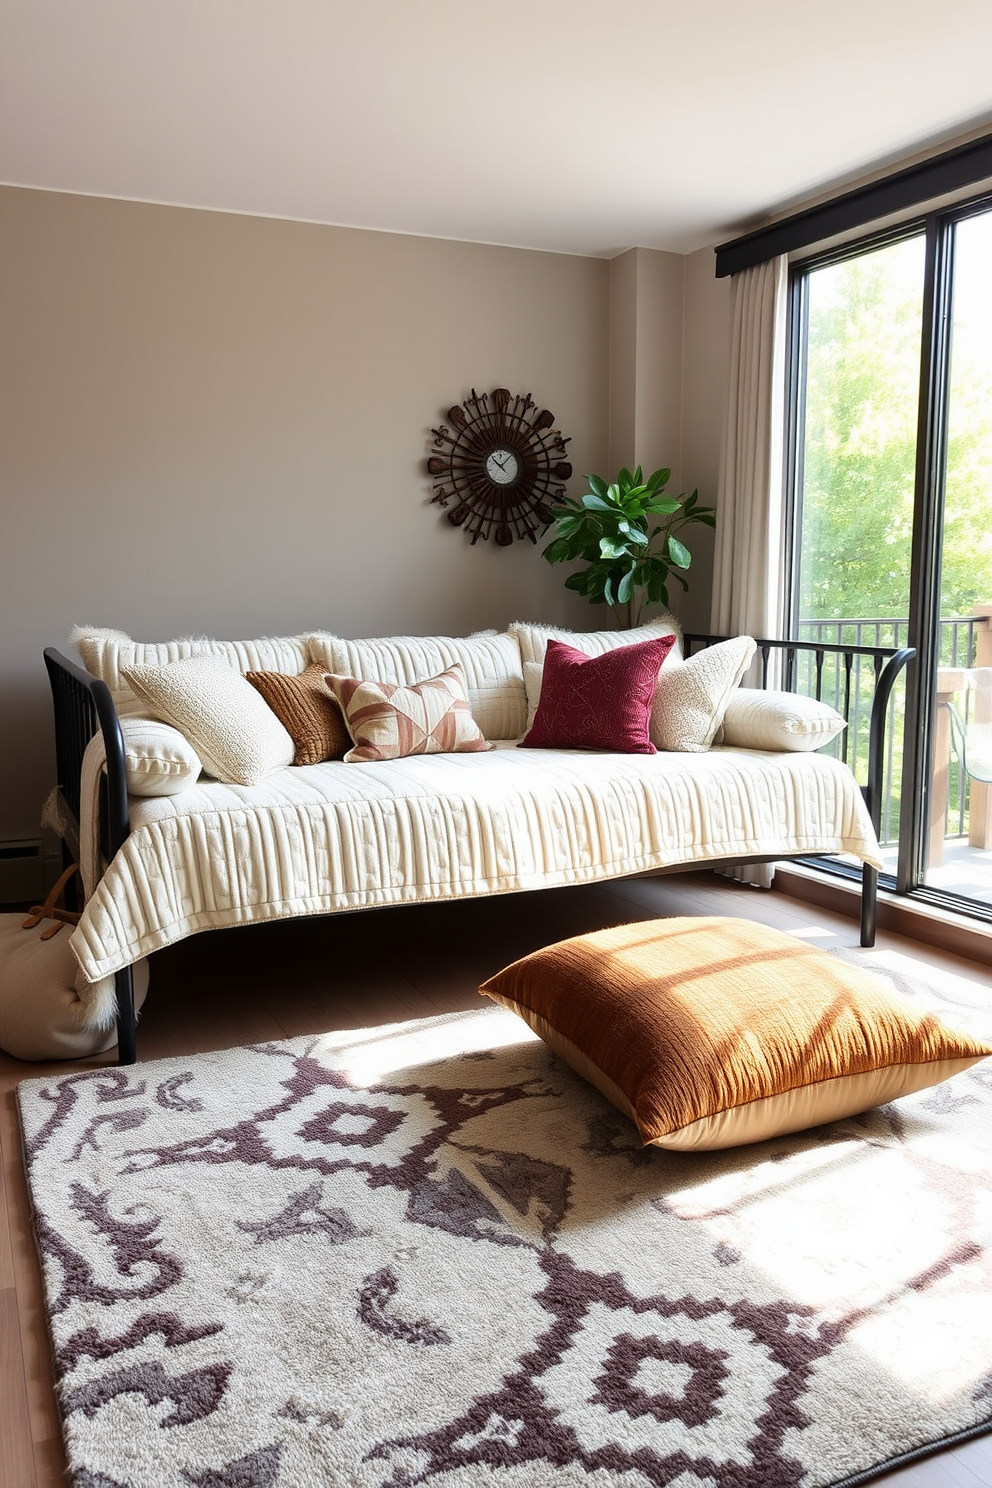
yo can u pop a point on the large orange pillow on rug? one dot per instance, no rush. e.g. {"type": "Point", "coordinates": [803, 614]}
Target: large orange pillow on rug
{"type": "Point", "coordinates": [713, 1032]}
{"type": "Point", "coordinates": [388, 721]}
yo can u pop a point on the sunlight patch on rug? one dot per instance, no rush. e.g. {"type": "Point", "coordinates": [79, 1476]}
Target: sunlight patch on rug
{"type": "Point", "coordinates": [429, 1253]}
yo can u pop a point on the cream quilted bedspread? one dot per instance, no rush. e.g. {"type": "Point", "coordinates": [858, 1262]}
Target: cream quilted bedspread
{"type": "Point", "coordinates": [331, 837]}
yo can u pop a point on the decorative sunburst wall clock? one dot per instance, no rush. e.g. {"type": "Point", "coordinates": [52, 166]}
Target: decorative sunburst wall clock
{"type": "Point", "coordinates": [499, 458]}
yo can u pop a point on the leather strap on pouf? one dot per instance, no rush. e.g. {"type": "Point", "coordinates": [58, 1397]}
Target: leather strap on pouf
{"type": "Point", "coordinates": [50, 911]}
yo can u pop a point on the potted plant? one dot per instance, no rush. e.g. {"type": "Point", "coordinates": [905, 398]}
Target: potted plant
{"type": "Point", "coordinates": [628, 560]}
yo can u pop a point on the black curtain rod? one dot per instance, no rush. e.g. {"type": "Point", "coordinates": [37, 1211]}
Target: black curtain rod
{"type": "Point", "coordinates": [963, 166]}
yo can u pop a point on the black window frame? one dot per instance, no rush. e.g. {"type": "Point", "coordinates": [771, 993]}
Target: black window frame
{"type": "Point", "coordinates": [938, 227]}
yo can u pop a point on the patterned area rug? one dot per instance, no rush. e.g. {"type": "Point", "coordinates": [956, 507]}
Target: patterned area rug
{"type": "Point", "coordinates": [429, 1254]}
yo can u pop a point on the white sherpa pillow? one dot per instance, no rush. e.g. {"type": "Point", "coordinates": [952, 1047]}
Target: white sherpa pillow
{"type": "Point", "coordinates": [533, 639]}
{"type": "Point", "coordinates": [779, 721]}
{"type": "Point", "coordinates": [533, 679]}
{"type": "Point", "coordinates": [106, 653]}
{"type": "Point", "coordinates": [160, 761]}
{"type": "Point", "coordinates": [233, 730]}
{"type": "Point", "coordinates": [692, 696]}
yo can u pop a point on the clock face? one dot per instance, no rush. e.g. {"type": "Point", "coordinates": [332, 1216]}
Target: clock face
{"type": "Point", "coordinates": [502, 467]}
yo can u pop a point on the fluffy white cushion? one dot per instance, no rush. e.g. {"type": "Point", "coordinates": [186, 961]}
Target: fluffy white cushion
{"type": "Point", "coordinates": [779, 721]}
{"type": "Point", "coordinates": [233, 730]}
{"type": "Point", "coordinates": [692, 696]}
{"type": "Point", "coordinates": [490, 663]}
{"type": "Point", "coordinates": [106, 653]}
{"type": "Point", "coordinates": [533, 639]}
{"type": "Point", "coordinates": [160, 761]}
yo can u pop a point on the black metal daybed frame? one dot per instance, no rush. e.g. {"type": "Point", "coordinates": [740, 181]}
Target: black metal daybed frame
{"type": "Point", "coordinates": [83, 705]}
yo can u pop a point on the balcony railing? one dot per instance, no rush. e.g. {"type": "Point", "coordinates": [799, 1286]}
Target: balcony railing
{"type": "Point", "coordinates": [960, 806]}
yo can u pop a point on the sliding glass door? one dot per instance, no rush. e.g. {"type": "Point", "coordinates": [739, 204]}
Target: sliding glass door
{"type": "Point", "coordinates": [891, 482]}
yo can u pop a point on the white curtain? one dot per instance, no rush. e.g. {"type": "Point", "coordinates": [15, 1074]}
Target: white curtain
{"type": "Point", "coordinates": [749, 581]}
{"type": "Point", "coordinates": [749, 557]}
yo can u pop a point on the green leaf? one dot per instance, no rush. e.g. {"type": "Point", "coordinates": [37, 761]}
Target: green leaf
{"type": "Point", "coordinates": [608, 591]}
{"type": "Point", "coordinates": [678, 553]}
{"type": "Point", "coordinates": [597, 485]}
{"type": "Point", "coordinates": [625, 478]}
{"type": "Point", "coordinates": [608, 548]}
{"type": "Point", "coordinates": [659, 478]}
{"type": "Point", "coordinates": [592, 502]}
{"type": "Point", "coordinates": [663, 504]}
{"type": "Point", "coordinates": [626, 587]}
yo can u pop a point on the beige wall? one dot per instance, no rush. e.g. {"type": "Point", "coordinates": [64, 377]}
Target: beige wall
{"type": "Point", "coordinates": [705, 362]}
{"type": "Point", "coordinates": [669, 350]}
{"type": "Point", "coordinates": [212, 423]}
{"type": "Point", "coordinates": [646, 312]}
{"type": "Point", "coordinates": [219, 424]}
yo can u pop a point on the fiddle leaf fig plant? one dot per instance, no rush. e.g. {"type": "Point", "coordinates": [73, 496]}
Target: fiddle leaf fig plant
{"type": "Point", "coordinates": [625, 534]}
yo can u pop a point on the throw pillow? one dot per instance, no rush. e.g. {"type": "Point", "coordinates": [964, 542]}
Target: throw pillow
{"type": "Point", "coordinates": [236, 734]}
{"type": "Point", "coordinates": [106, 653]}
{"type": "Point", "coordinates": [778, 720]}
{"type": "Point", "coordinates": [715, 1032]}
{"type": "Point", "coordinates": [532, 639]}
{"type": "Point", "coordinates": [533, 677]}
{"type": "Point", "coordinates": [490, 665]}
{"type": "Point", "coordinates": [158, 759]}
{"type": "Point", "coordinates": [389, 722]}
{"type": "Point", "coordinates": [692, 696]}
{"type": "Point", "coordinates": [308, 712]}
{"type": "Point", "coordinates": [598, 702]}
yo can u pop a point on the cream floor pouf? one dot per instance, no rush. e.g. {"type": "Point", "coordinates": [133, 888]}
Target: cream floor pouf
{"type": "Point", "coordinates": [47, 1008]}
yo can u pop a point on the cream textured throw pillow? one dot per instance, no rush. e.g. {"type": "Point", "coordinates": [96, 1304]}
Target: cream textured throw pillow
{"type": "Point", "coordinates": [692, 696]}
{"type": "Point", "coordinates": [779, 721]}
{"type": "Point", "coordinates": [389, 722]}
{"type": "Point", "coordinates": [159, 760]}
{"type": "Point", "coordinates": [231, 727]}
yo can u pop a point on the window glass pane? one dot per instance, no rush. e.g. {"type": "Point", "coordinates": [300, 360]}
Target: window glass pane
{"type": "Point", "coordinates": [857, 448]}
{"type": "Point", "coordinates": [959, 857]}
{"type": "Point", "coordinates": [859, 441]}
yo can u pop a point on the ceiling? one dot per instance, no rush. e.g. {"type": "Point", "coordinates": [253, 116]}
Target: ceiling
{"type": "Point", "coordinates": [578, 126]}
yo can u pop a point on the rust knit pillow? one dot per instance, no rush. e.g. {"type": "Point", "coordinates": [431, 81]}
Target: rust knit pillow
{"type": "Point", "coordinates": [307, 711]}
{"type": "Point", "coordinates": [714, 1032]}
{"type": "Point", "coordinates": [388, 721]}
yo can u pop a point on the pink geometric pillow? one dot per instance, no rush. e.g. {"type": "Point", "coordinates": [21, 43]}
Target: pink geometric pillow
{"type": "Point", "coordinates": [598, 702]}
{"type": "Point", "coordinates": [387, 721]}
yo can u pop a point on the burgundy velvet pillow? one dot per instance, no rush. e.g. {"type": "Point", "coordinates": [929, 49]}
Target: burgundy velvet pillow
{"type": "Point", "coordinates": [598, 702]}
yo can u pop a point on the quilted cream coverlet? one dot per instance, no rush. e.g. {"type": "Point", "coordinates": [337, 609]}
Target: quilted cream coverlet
{"type": "Point", "coordinates": [324, 838]}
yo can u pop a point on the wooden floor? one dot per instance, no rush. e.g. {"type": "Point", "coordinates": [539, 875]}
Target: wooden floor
{"type": "Point", "coordinates": [242, 986]}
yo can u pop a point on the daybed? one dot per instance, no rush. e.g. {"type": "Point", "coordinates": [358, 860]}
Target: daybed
{"type": "Point", "coordinates": [322, 838]}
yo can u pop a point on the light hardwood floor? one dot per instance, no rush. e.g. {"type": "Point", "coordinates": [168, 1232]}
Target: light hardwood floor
{"type": "Point", "coordinates": [281, 980]}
